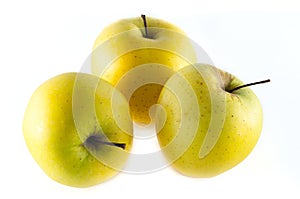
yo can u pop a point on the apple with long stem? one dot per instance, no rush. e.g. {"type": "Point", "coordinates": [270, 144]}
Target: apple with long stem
{"type": "Point", "coordinates": [209, 121]}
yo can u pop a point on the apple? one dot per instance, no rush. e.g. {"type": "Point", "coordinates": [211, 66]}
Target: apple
{"type": "Point", "coordinates": [78, 129]}
{"type": "Point", "coordinates": [138, 55]}
{"type": "Point", "coordinates": [208, 121]}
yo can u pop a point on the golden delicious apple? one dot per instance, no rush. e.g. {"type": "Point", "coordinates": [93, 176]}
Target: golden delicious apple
{"type": "Point", "coordinates": [207, 123]}
{"type": "Point", "coordinates": [78, 129]}
{"type": "Point", "coordinates": [138, 55]}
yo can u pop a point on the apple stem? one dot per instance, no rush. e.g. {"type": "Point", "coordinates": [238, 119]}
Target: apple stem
{"type": "Point", "coordinates": [95, 141]}
{"type": "Point", "coordinates": [121, 145]}
{"type": "Point", "coordinates": [145, 25]}
{"type": "Point", "coordinates": [251, 84]}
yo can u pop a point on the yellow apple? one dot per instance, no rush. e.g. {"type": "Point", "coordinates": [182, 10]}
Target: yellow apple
{"type": "Point", "coordinates": [78, 129]}
{"type": "Point", "coordinates": [204, 125]}
{"type": "Point", "coordinates": [138, 55]}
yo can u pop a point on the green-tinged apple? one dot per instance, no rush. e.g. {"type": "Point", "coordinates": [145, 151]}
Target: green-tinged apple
{"type": "Point", "coordinates": [209, 122]}
{"type": "Point", "coordinates": [138, 55]}
{"type": "Point", "coordinates": [78, 129]}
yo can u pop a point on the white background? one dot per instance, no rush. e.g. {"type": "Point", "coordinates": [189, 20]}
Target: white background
{"type": "Point", "coordinates": [254, 40]}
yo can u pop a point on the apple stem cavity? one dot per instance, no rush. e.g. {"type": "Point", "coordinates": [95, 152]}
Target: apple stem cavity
{"type": "Point", "coordinates": [145, 25]}
{"type": "Point", "coordinates": [96, 141]}
{"type": "Point", "coordinates": [250, 84]}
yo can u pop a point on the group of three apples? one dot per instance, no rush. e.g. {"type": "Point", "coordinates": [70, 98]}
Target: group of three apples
{"type": "Point", "coordinates": [78, 127]}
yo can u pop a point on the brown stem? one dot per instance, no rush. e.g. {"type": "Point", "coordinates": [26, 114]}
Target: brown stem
{"type": "Point", "coordinates": [251, 84]}
{"type": "Point", "coordinates": [145, 25]}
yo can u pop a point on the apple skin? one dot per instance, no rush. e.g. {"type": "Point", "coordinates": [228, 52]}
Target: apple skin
{"type": "Point", "coordinates": [122, 47]}
{"type": "Point", "coordinates": [226, 126]}
{"type": "Point", "coordinates": [62, 114]}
